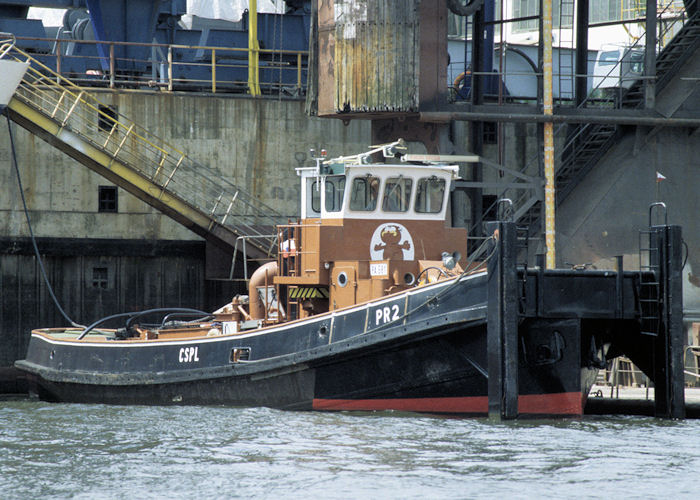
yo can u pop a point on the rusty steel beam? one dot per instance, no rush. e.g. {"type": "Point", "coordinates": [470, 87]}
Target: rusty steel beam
{"type": "Point", "coordinates": [604, 118]}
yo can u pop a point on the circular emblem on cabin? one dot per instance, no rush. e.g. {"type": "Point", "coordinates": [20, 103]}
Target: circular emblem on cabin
{"type": "Point", "coordinates": [391, 241]}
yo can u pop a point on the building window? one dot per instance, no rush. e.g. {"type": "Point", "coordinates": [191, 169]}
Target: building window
{"type": "Point", "coordinates": [107, 199]}
{"type": "Point", "coordinates": [526, 8]}
{"type": "Point", "coordinates": [490, 133]}
{"type": "Point", "coordinates": [489, 207]}
{"type": "Point", "coordinates": [107, 118]}
{"type": "Point", "coordinates": [100, 277]}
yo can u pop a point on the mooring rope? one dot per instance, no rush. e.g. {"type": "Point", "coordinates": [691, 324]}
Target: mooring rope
{"type": "Point", "coordinates": [31, 232]}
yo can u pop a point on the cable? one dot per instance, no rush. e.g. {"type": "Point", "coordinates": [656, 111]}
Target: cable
{"type": "Point", "coordinates": [31, 233]}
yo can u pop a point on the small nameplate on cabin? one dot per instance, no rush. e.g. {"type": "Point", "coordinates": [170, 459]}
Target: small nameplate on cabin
{"type": "Point", "coordinates": [379, 269]}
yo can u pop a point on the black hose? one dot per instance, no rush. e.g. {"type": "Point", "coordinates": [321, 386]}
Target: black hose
{"type": "Point", "coordinates": [31, 233]}
{"type": "Point", "coordinates": [180, 310]}
{"type": "Point", "coordinates": [133, 315]}
{"type": "Point", "coordinates": [428, 269]}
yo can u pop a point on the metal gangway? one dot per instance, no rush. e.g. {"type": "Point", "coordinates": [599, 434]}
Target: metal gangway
{"type": "Point", "coordinates": [195, 195]}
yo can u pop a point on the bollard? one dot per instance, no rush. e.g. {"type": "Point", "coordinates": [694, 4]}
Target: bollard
{"type": "Point", "coordinates": [669, 395]}
{"type": "Point", "coordinates": [502, 328]}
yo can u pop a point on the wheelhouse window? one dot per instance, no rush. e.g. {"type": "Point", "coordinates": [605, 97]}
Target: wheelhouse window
{"type": "Point", "coordinates": [364, 193]}
{"type": "Point", "coordinates": [430, 194]}
{"type": "Point", "coordinates": [335, 188]}
{"type": "Point", "coordinates": [397, 194]}
{"type": "Point", "coordinates": [313, 198]}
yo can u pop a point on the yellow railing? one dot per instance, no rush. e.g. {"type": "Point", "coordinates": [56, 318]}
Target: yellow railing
{"type": "Point", "coordinates": [161, 171]}
{"type": "Point", "coordinates": [166, 59]}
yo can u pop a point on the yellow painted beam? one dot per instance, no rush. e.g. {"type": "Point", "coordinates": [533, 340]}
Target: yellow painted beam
{"type": "Point", "coordinates": [253, 49]}
{"type": "Point", "coordinates": [101, 162]}
{"type": "Point", "coordinates": [548, 135]}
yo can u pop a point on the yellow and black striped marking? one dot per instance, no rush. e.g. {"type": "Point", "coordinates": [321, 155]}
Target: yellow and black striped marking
{"type": "Point", "coordinates": [308, 293]}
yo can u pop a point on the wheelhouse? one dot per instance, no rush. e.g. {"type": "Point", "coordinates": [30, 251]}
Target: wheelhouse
{"type": "Point", "coordinates": [367, 229]}
{"type": "Point", "coordinates": [397, 191]}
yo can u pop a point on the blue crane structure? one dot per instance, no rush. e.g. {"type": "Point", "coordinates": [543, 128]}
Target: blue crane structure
{"type": "Point", "coordinates": [143, 22]}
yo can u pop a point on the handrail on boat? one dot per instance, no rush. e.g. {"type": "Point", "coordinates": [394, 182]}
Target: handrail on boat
{"type": "Point", "coordinates": [504, 210]}
{"type": "Point", "coordinates": [273, 238]}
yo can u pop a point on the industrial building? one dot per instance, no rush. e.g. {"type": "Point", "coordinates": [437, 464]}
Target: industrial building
{"type": "Point", "coordinates": [231, 115]}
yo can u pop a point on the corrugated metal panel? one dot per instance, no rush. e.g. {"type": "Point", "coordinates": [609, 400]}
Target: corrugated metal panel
{"type": "Point", "coordinates": [138, 275]}
{"type": "Point", "coordinates": [376, 55]}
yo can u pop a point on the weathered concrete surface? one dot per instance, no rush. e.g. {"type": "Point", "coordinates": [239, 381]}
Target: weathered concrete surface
{"type": "Point", "coordinates": [603, 216]}
{"type": "Point", "coordinates": [255, 143]}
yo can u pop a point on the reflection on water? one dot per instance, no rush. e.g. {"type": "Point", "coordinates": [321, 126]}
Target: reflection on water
{"type": "Point", "coordinates": [95, 451]}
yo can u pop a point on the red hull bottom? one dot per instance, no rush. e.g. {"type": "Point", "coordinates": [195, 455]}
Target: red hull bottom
{"type": "Point", "coordinates": [565, 403]}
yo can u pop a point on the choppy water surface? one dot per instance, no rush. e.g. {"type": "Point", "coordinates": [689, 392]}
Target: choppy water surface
{"type": "Point", "coordinates": [95, 451]}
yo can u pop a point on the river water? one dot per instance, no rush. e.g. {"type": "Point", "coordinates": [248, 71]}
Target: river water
{"type": "Point", "coordinates": [95, 451]}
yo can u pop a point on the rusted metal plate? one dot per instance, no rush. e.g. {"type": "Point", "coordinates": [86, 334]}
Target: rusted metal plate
{"type": "Point", "coordinates": [369, 56]}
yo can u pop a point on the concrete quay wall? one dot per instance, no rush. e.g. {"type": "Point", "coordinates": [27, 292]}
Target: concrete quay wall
{"type": "Point", "coordinates": [254, 143]}
{"type": "Point", "coordinates": [101, 263]}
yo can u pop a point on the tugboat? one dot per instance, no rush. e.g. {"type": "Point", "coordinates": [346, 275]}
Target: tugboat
{"type": "Point", "coordinates": [371, 304]}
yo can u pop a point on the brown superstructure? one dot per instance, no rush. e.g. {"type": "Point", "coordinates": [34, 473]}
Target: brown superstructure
{"type": "Point", "coordinates": [367, 230]}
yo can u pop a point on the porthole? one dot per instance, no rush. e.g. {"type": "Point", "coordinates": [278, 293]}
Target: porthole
{"type": "Point", "coordinates": [342, 279]}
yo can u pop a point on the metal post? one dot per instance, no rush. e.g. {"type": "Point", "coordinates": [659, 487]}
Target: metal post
{"type": "Point", "coordinates": [669, 378]}
{"type": "Point", "coordinates": [58, 60]}
{"type": "Point", "coordinates": [253, 49]}
{"type": "Point", "coordinates": [170, 68]}
{"type": "Point", "coordinates": [477, 127]}
{"type": "Point", "coordinates": [299, 70]}
{"type": "Point", "coordinates": [548, 134]}
{"type": "Point", "coordinates": [582, 17]}
{"type": "Point", "coordinates": [619, 287]}
{"type": "Point", "coordinates": [213, 71]}
{"type": "Point", "coordinates": [111, 65]}
{"type": "Point", "coordinates": [154, 75]}
{"type": "Point", "coordinates": [502, 329]}
{"type": "Point", "coordinates": [650, 56]}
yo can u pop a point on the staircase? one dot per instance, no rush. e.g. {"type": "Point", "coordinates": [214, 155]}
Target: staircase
{"type": "Point", "coordinates": [591, 141]}
{"type": "Point", "coordinates": [587, 144]}
{"type": "Point", "coordinates": [74, 121]}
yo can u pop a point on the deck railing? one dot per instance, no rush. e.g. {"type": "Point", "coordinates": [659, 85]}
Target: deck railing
{"type": "Point", "coordinates": [160, 173]}
{"type": "Point", "coordinates": [169, 66]}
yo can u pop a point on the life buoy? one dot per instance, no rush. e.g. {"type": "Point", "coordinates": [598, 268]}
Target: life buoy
{"type": "Point", "coordinates": [460, 81]}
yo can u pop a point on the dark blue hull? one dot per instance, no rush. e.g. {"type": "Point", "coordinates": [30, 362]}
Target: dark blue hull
{"type": "Point", "coordinates": [421, 350]}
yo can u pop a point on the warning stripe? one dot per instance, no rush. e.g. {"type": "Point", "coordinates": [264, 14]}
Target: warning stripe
{"type": "Point", "coordinates": [308, 293]}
